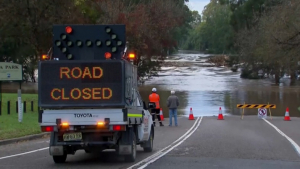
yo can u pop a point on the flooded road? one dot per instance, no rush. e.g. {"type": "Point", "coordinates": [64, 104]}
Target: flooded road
{"type": "Point", "coordinates": [204, 88]}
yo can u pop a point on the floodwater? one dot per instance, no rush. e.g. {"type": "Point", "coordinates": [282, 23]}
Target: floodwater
{"type": "Point", "coordinates": [205, 88]}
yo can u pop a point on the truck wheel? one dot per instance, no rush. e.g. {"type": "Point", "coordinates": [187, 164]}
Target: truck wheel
{"type": "Point", "coordinates": [132, 156]}
{"type": "Point", "coordinates": [60, 159]}
{"type": "Point", "coordinates": [149, 144]}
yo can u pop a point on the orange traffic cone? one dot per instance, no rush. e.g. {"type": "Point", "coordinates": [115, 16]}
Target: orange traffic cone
{"type": "Point", "coordinates": [191, 117]}
{"type": "Point", "coordinates": [220, 117]}
{"type": "Point", "coordinates": [161, 115]}
{"type": "Point", "coordinates": [287, 115]}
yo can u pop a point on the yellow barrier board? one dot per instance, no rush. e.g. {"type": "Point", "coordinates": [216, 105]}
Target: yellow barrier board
{"type": "Point", "coordinates": [251, 106]}
{"type": "Point", "coordinates": [256, 106]}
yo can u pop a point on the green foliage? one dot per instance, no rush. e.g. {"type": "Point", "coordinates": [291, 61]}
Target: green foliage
{"type": "Point", "coordinates": [88, 10]}
{"type": "Point", "coordinates": [246, 13]}
{"type": "Point", "coordinates": [274, 40]}
{"type": "Point", "coordinates": [214, 34]}
{"type": "Point", "coordinates": [151, 23]}
{"type": "Point", "coordinates": [10, 127]}
{"type": "Point", "coordinates": [195, 18]}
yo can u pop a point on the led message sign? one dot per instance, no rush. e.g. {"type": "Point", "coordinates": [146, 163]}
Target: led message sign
{"type": "Point", "coordinates": [80, 84]}
{"type": "Point", "coordinates": [88, 42]}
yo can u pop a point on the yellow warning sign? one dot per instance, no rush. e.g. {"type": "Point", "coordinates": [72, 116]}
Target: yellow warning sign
{"type": "Point", "coordinates": [251, 106]}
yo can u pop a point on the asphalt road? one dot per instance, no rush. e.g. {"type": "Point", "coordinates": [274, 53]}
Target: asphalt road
{"type": "Point", "coordinates": [211, 143]}
{"type": "Point", "coordinates": [164, 136]}
{"type": "Point", "coordinates": [236, 144]}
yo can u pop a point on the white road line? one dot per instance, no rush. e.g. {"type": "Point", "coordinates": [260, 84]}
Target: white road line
{"type": "Point", "coordinates": [160, 153]}
{"type": "Point", "coordinates": [164, 153]}
{"type": "Point", "coordinates": [294, 144]}
{"type": "Point", "coordinates": [41, 149]}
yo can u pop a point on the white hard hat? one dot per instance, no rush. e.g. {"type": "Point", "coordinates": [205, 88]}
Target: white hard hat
{"type": "Point", "coordinates": [172, 92]}
{"type": "Point", "coordinates": [154, 89]}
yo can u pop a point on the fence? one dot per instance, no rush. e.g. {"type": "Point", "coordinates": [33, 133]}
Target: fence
{"type": "Point", "coordinates": [8, 110]}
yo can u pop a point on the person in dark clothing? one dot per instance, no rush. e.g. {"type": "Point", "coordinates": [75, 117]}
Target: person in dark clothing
{"type": "Point", "coordinates": [173, 103]}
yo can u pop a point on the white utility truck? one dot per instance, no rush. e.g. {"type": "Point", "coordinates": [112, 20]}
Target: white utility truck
{"type": "Point", "coordinates": [88, 93]}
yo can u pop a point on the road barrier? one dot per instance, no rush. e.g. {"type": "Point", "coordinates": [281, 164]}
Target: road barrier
{"type": "Point", "coordinates": [220, 116]}
{"type": "Point", "coordinates": [258, 106]}
{"type": "Point", "coordinates": [161, 115]}
{"type": "Point", "coordinates": [191, 116]}
{"type": "Point", "coordinates": [24, 106]}
{"type": "Point", "coordinates": [287, 115]}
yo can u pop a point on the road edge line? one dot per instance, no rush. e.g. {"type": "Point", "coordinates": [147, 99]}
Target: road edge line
{"type": "Point", "coordinates": [24, 138]}
{"type": "Point", "coordinates": [160, 151]}
{"type": "Point", "coordinates": [28, 152]}
{"type": "Point", "coordinates": [294, 144]}
{"type": "Point", "coordinates": [164, 153]}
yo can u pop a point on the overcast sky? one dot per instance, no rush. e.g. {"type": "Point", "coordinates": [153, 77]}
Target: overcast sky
{"type": "Point", "coordinates": [197, 5]}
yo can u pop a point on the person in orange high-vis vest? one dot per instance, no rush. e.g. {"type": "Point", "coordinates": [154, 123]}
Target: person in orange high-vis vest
{"type": "Point", "coordinates": [154, 97]}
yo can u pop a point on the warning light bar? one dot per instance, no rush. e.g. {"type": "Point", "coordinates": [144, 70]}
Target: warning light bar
{"type": "Point", "coordinates": [88, 42]}
{"type": "Point", "coordinates": [68, 29]}
{"type": "Point", "coordinates": [100, 123]}
{"type": "Point", "coordinates": [45, 57]}
{"type": "Point", "coordinates": [65, 124]}
{"type": "Point", "coordinates": [107, 55]}
{"type": "Point", "coordinates": [131, 56]}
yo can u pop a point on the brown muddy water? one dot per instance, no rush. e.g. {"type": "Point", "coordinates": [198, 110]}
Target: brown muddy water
{"type": "Point", "coordinates": [205, 88]}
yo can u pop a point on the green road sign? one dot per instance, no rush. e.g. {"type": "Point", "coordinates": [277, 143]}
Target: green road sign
{"type": "Point", "coordinates": [11, 71]}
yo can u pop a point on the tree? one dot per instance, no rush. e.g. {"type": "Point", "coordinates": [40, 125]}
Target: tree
{"type": "Point", "coordinates": [214, 33]}
{"type": "Point", "coordinates": [152, 26]}
{"type": "Point", "coordinates": [275, 40]}
{"type": "Point", "coordinates": [196, 19]}
{"type": "Point", "coordinates": [29, 31]}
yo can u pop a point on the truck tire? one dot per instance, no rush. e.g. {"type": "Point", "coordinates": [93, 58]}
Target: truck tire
{"type": "Point", "coordinates": [60, 159]}
{"type": "Point", "coordinates": [149, 144]}
{"type": "Point", "coordinates": [132, 156]}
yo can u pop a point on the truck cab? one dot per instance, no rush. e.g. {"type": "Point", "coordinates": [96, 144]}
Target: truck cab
{"type": "Point", "coordinates": [88, 94]}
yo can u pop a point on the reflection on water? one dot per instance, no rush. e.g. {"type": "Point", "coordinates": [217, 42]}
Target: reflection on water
{"type": "Point", "coordinates": [282, 99]}
{"type": "Point", "coordinates": [205, 89]}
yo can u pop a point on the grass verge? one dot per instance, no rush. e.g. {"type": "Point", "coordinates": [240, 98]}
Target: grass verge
{"type": "Point", "coordinates": [9, 124]}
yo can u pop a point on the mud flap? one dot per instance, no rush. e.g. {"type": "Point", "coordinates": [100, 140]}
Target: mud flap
{"type": "Point", "coordinates": [53, 149]}
{"type": "Point", "coordinates": [52, 139]}
{"type": "Point", "coordinates": [125, 142]}
{"type": "Point", "coordinates": [56, 150]}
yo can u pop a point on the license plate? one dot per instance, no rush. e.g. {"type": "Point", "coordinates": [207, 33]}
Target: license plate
{"type": "Point", "coordinates": [72, 136]}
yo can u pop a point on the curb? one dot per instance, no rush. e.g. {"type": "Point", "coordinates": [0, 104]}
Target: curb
{"type": "Point", "coordinates": [25, 138]}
